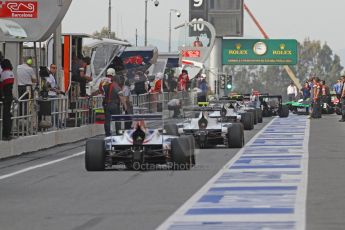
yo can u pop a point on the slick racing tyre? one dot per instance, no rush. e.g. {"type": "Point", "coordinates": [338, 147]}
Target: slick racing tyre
{"type": "Point", "coordinates": [284, 112]}
{"type": "Point", "coordinates": [259, 112]}
{"type": "Point", "coordinates": [171, 129]}
{"type": "Point", "coordinates": [95, 155]}
{"type": "Point", "coordinates": [236, 136]}
{"type": "Point", "coordinates": [180, 153]}
{"type": "Point", "coordinates": [247, 121]}
{"type": "Point", "coordinates": [255, 115]}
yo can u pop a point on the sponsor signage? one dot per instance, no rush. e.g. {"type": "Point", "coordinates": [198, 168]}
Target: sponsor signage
{"type": "Point", "coordinates": [260, 52]}
{"type": "Point", "coordinates": [18, 9]}
{"type": "Point", "coordinates": [191, 53]}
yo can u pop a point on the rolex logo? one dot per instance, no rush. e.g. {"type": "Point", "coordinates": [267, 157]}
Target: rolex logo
{"type": "Point", "coordinates": [282, 46]}
{"type": "Point", "coordinates": [238, 46]}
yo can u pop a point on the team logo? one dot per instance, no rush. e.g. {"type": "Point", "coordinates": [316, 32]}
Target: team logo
{"type": "Point", "coordinates": [18, 9]}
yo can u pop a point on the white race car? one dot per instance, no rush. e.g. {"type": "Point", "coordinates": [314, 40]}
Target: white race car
{"type": "Point", "coordinates": [234, 111]}
{"type": "Point", "coordinates": [140, 147]}
{"type": "Point", "coordinates": [209, 129]}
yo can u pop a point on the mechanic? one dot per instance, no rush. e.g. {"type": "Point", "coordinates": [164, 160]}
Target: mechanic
{"type": "Point", "coordinates": [85, 75]}
{"type": "Point", "coordinates": [203, 89]}
{"type": "Point", "coordinates": [316, 98]}
{"type": "Point", "coordinates": [125, 101]}
{"type": "Point", "coordinates": [311, 86]}
{"type": "Point", "coordinates": [26, 78]}
{"type": "Point", "coordinates": [342, 99]}
{"type": "Point", "coordinates": [337, 88]}
{"type": "Point", "coordinates": [325, 92]}
{"type": "Point", "coordinates": [6, 87]}
{"type": "Point", "coordinates": [111, 101]}
{"type": "Point", "coordinates": [183, 81]}
{"type": "Point", "coordinates": [306, 93]}
{"type": "Point", "coordinates": [175, 105]}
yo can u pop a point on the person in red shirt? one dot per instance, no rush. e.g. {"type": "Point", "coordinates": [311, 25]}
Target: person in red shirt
{"type": "Point", "coordinates": [155, 91]}
{"type": "Point", "coordinates": [157, 84]}
{"type": "Point", "coordinates": [197, 43]}
{"type": "Point", "coordinates": [183, 81]}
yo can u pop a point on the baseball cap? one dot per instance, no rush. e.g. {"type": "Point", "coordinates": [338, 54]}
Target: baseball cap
{"type": "Point", "coordinates": [111, 72]}
{"type": "Point", "coordinates": [29, 61]}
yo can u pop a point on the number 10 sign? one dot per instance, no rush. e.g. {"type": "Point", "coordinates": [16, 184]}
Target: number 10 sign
{"type": "Point", "coordinates": [198, 12]}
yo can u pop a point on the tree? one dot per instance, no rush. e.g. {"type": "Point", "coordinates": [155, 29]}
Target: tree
{"type": "Point", "coordinates": [104, 33]}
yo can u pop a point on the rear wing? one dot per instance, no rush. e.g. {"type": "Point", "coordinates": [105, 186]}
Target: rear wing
{"type": "Point", "coordinates": [224, 101]}
{"type": "Point", "coordinates": [271, 96]}
{"type": "Point", "coordinates": [138, 117]}
{"type": "Point", "coordinates": [203, 109]}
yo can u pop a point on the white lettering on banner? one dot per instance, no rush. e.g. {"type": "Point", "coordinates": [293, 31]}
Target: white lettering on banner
{"type": "Point", "coordinates": [198, 27]}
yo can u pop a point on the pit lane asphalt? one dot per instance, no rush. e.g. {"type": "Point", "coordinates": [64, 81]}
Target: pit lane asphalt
{"type": "Point", "coordinates": [326, 182]}
{"type": "Point", "coordinates": [64, 196]}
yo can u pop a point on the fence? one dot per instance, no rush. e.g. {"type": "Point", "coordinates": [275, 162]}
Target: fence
{"type": "Point", "coordinates": [32, 116]}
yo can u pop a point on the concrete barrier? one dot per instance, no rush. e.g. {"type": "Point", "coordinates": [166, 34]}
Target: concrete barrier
{"type": "Point", "coordinates": [41, 141]}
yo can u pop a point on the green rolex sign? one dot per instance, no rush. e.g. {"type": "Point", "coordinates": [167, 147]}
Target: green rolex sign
{"type": "Point", "coordinates": [260, 52]}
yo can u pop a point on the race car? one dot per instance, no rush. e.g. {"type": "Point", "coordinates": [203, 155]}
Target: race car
{"type": "Point", "coordinates": [299, 107]}
{"type": "Point", "coordinates": [251, 104]}
{"type": "Point", "coordinates": [232, 111]}
{"type": "Point", "coordinates": [210, 129]}
{"type": "Point", "coordinates": [273, 106]}
{"type": "Point", "coordinates": [140, 148]}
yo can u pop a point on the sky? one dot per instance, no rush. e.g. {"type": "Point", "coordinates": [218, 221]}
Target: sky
{"type": "Point", "coordinates": [296, 19]}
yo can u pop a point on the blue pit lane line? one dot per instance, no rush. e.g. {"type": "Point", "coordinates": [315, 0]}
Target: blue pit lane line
{"type": "Point", "coordinates": [263, 187]}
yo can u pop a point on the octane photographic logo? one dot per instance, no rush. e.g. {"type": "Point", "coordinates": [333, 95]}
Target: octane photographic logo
{"type": "Point", "coordinates": [18, 9]}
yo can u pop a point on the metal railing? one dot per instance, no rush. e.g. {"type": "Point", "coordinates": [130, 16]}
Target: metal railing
{"type": "Point", "coordinates": [59, 114]}
{"type": "Point", "coordinates": [24, 118]}
{"type": "Point", "coordinates": [37, 115]}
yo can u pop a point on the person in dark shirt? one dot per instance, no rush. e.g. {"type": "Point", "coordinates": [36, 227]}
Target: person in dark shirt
{"type": "Point", "coordinates": [6, 87]}
{"type": "Point", "coordinates": [140, 83]}
{"type": "Point", "coordinates": [111, 104]}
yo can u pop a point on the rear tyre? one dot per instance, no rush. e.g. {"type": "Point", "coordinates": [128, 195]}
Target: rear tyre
{"type": "Point", "coordinates": [95, 155]}
{"type": "Point", "coordinates": [171, 129]}
{"type": "Point", "coordinates": [192, 151]}
{"type": "Point", "coordinates": [255, 115]}
{"type": "Point", "coordinates": [180, 153]}
{"type": "Point", "coordinates": [259, 112]}
{"type": "Point", "coordinates": [247, 121]}
{"type": "Point", "coordinates": [284, 112]}
{"type": "Point", "coordinates": [236, 136]}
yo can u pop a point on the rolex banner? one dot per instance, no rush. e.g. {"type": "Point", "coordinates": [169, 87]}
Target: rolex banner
{"type": "Point", "coordinates": [260, 52]}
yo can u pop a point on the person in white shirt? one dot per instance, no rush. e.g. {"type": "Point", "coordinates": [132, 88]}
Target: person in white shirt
{"type": "Point", "coordinates": [51, 82]}
{"type": "Point", "coordinates": [26, 77]}
{"type": "Point", "coordinates": [292, 92]}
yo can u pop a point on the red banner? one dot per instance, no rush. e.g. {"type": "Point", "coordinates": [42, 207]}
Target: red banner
{"type": "Point", "coordinates": [191, 53]}
{"type": "Point", "coordinates": [18, 9]}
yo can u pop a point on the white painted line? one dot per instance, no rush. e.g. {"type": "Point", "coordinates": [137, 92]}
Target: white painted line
{"type": "Point", "coordinates": [301, 199]}
{"type": "Point", "coordinates": [180, 212]}
{"type": "Point", "coordinates": [299, 216]}
{"type": "Point", "coordinates": [39, 166]}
